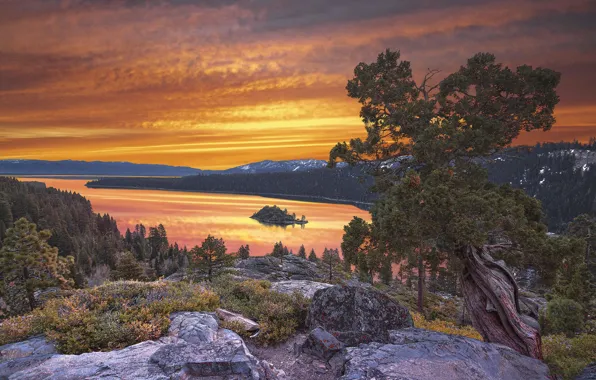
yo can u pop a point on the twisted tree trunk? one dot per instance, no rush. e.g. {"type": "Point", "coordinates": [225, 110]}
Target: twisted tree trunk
{"type": "Point", "coordinates": [491, 297]}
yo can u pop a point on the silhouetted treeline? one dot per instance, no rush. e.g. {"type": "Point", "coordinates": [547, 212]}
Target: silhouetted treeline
{"type": "Point", "coordinates": [326, 184]}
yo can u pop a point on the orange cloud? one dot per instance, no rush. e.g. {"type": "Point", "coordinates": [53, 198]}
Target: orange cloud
{"type": "Point", "coordinates": [209, 85]}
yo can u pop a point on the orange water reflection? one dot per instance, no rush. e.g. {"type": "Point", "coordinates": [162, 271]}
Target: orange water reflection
{"type": "Point", "coordinates": [190, 217]}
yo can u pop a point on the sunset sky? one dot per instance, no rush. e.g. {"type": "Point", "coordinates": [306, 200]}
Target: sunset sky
{"type": "Point", "coordinates": [218, 83]}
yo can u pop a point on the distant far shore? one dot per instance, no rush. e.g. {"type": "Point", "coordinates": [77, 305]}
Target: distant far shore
{"type": "Point", "coordinates": [360, 205]}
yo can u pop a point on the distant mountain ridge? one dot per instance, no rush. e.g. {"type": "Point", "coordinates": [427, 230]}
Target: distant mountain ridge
{"type": "Point", "coordinates": [105, 168]}
{"type": "Point", "coordinates": [71, 167]}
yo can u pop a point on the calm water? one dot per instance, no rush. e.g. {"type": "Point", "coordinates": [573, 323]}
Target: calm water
{"type": "Point", "coordinates": [190, 217]}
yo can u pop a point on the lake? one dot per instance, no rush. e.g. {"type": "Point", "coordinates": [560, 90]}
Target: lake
{"type": "Point", "coordinates": [189, 217]}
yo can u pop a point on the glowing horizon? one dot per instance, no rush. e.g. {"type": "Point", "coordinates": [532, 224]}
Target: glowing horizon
{"type": "Point", "coordinates": [217, 84]}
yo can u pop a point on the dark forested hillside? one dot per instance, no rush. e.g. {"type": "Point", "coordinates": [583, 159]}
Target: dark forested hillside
{"type": "Point", "coordinates": [561, 175]}
{"type": "Point", "coordinates": [92, 239]}
{"type": "Point", "coordinates": [325, 184]}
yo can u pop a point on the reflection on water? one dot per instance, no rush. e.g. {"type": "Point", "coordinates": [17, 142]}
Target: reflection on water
{"type": "Point", "coordinates": [190, 217]}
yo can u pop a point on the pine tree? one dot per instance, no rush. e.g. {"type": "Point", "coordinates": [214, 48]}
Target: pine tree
{"type": "Point", "coordinates": [210, 258]}
{"type": "Point", "coordinates": [244, 252]}
{"type": "Point", "coordinates": [330, 259]}
{"type": "Point", "coordinates": [128, 268]}
{"type": "Point", "coordinates": [302, 252]}
{"type": "Point", "coordinates": [279, 251]}
{"type": "Point", "coordinates": [355, 242]}
{"type": "Point", "coordinates": [438, 195]}
{"type": "Point", "coordinates": [28, 263]}
{"type": "Point", "coordinates": [312, 257]}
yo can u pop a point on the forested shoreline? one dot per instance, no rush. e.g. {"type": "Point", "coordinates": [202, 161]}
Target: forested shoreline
{"type": "Point", "coordinates": [561, 175]}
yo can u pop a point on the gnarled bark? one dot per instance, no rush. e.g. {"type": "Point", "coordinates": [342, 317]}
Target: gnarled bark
{"type": "Point", "coordinates": [491, 296]}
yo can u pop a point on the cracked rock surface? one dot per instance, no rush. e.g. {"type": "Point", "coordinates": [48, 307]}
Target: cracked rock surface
{"type": "Point", "coordinates": [417, 354]}
{"type": "Point", "coordinates": [195, 348]}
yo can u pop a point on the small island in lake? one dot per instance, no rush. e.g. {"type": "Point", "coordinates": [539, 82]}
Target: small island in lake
{"type": "Point", "coordinates": [275, 215]}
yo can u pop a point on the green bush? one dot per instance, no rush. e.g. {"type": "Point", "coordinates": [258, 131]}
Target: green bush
{"type": "Point", "coordinates": [109, 317]}
{"type": "Point", "coordinates": [564, 316]}
{"type": "Point", "coordinates": [567, 357]}
{"type": "Point", "coordinates": [279, 315]}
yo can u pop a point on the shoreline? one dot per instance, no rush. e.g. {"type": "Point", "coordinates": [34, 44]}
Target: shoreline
{"type": "Point", "coordinates": [358, 204]}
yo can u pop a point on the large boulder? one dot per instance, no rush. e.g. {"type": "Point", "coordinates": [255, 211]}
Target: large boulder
{"type": "Point", "coordinates": [305, 287]}
{"type": "Point", "coordinates": [416, 354]}
{"type": "Point", "coordinates": [195, 348]}
{"type": "Point", "coordinates": [354, 314]}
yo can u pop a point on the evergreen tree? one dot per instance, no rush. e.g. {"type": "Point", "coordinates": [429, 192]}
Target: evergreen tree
{"type": "Point", "coordinates": [279, 251]}
{"type": "Point", "coordinates": [330, 259]}
{"type": "Point", "coordinates": [210, 258]}
{"type": "Point", "coordinates": [244, 252]}
{"type": "Point", "coordinates": [438, 195]}
{"type": "Point", "coordinates": [128, 268]}
{"type": "Point", "coordinates": [312, 256]}
{"type": "Point", "coordinates": [355, 241]}
{"type": "Point", "coordinates": [302, 252]}
{"type": "Point", "coordinates": [584, 227]}
{"type": "Point", "coordinates": [29, 263]}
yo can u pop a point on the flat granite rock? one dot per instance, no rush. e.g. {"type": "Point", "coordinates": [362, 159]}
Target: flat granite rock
{"type": "Point", "coordinates": [195, 348]}
{"type": "Point", "coordinates": [305, 287]}
{"type": "Point", "coordinates": [416, 354]}
{"type": "Point", "coordinates": [37, 345]}
{"type": "Point", "coordinates": [271, 268]}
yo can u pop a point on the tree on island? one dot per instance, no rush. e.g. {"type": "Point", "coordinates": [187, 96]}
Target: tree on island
{"type": "Point", "coordinates": [277, 216]}
{"type": "Point", "coordinates": [211, 257]}
{"type": "Point", "coordinates": [28, 263]}
{"type": "Point", "coordinates": [443, 131]}
{"type": "Point", "coordinates": [302, 252]}
{"type": "Point", "coordinates": [312, 256]}
{"type": "Point", "coordinates": [244, 252]}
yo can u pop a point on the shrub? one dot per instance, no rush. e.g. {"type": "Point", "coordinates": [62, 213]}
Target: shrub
{"type": "Point", "coordinates": [279, 315]}
{"type": "Point", "coordinates": [111, 316]}
{"type": "Point", "coordinates": [564, 316]}
{"type": "Point", "coordinates": [18, 328]}
{"type": "Point", "coordinates": [567, 357]}
{"type": "Point", "coordinates": [444, 327]}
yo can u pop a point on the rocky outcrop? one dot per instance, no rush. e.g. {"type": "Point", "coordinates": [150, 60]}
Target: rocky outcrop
{"type": "Point", "coordinates": [248, 324]}
{"type": "Point", "coordinates": [416, 354]}
{"type": "Point", "coordinates": [355, 314]}
{"type": "Point", "coordinates": [532, 305]}
{"type": "Point", "coordinates": [37, 345]}
{"type": "Point", "coordinates": [271, 268]}
{"type": "Point", "coordinates": [304, 287]}
{"type": "Point", "coordinates": [195, 348]}
{"type": "Point", "coordinates": [18, 356]}
{"type": "Point", "coordinates": [589, 373]}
